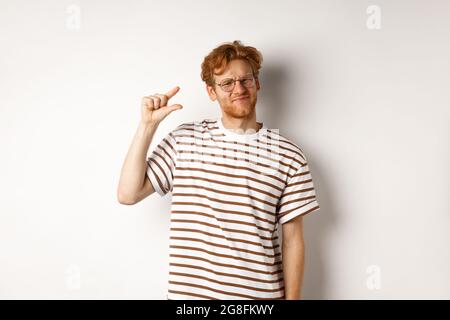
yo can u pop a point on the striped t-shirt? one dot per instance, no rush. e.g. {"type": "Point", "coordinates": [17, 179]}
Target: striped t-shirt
{"type": "Point", "coordinates": [229, 191]}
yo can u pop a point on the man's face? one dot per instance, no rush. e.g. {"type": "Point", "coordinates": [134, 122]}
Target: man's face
{"type": "Point", "coordinates": [237, 108]}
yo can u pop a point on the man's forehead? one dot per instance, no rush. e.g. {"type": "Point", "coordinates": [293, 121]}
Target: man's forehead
{"type": "Point", "coordinates": [234, 74]}
{"type": "Point", "coordinates": [235, 68]}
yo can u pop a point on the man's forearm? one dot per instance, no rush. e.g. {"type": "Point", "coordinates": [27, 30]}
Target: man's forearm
{"type": "Point", "coordinates": [134, 167]}
{"type": "Point", "coordinates": [293, 256]}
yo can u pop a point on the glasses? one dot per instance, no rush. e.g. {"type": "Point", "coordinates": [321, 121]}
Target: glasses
{"type": "Point", "coordinates": [227, 85]}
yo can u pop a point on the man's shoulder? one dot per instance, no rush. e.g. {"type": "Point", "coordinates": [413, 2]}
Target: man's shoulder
{"type": "Point", "coordinates": [286, 145]}
{"type": "Point", "coordinates": [195, 125]}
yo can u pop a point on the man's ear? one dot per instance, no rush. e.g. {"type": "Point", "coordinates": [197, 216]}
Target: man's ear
{"type": "Point", "coordinates": [211, 92]}
{"type": "Point", "coordinates": [258, 86]}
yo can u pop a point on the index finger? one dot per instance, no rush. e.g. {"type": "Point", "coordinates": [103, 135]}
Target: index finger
{"type": "Point", "coordinates": [172, 92]}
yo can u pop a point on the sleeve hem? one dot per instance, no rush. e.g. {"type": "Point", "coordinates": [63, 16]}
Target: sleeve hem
{"type": "Point", "coordinates": [310, 207]}
{"type": "Point", "coordinates": [153, 181]}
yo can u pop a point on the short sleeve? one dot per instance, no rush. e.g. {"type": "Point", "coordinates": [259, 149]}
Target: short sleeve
{"type": "Point", "coordinates": [298, 196]}
{"type": "Point", "coordinates": [161, 165]}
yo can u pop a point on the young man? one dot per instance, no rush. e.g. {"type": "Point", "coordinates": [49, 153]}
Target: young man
{"type": "Point", "coordinates": [232, 181]}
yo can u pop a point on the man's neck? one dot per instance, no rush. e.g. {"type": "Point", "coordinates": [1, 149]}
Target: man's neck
{"type": "Point", "coordinates": [241, 125]}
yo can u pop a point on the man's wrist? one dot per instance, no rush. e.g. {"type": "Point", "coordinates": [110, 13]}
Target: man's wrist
{"type": "Point", "coordinates": [292, 297]}
{"type": "Point", "coordinates": [148, 127]}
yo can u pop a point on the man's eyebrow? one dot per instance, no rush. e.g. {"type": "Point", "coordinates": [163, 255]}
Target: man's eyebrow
{"type": "Point", "coordinates": [229, 77]}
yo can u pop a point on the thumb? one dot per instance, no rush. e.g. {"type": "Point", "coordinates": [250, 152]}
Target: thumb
{"type": "Point", "coordinates": [175, 107]}
{"type": "Point", "coordinates": [169, 109]}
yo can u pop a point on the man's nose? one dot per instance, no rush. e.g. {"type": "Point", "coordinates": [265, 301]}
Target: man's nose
{"type": "Point", "coordinates": [239, 87]}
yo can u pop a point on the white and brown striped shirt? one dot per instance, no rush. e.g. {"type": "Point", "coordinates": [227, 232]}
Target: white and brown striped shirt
{"type": "Point", "coordinates": [229, 192]}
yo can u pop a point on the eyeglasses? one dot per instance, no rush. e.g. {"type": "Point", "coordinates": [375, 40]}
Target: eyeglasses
{"type": "Point", "coordinates": [227, 85]}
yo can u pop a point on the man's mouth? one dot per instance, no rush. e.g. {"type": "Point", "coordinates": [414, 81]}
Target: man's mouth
{"type": "Point", "coordinates": [240, 98]}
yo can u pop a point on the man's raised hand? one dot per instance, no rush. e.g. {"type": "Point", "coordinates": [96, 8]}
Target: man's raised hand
{"type": "Point", "coordinates": [155, 108]}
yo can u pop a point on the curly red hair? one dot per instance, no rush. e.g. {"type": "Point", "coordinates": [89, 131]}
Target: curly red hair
{"type": "Point", "coordinates": [217, 60]}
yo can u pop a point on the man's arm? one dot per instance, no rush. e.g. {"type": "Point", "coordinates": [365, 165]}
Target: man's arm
{"type": "Point", "coordinates": [134, 185]}
{"type": "Point", "coordinates": [293, 256]}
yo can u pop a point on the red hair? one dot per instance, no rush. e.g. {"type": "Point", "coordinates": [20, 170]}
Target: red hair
{"type": "Point", "coordinates": [217, 60]}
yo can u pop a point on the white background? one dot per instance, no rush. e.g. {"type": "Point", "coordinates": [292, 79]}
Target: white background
{"type": "Point", "coordinates": [370, 108]}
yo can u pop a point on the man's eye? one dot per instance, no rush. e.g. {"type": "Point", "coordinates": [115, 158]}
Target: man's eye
{"type": "Point", "coordinates": [227, 82]}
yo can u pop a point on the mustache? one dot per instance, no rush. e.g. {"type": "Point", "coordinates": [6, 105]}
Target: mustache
{"type": "Point", "coordinates": [236, 98]}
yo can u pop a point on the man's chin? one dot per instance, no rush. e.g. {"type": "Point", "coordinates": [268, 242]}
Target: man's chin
{"type": "Point", "coordinates": [239, 110]}
{"type": "Point", "coordinates": [239, 113]}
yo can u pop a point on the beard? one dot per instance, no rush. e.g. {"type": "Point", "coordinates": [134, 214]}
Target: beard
{"type": "Point", "coordinates": [239, 109]}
